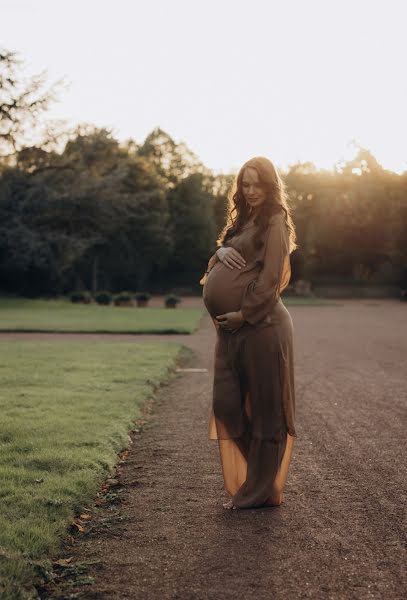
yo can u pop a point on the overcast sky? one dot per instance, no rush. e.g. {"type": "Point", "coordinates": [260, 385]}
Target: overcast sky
{"type": "Point", "coordinates": [292, 80]}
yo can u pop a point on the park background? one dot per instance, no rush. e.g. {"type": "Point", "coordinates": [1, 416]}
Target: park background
{"type": "Point", "coordinates": [122, 126]}
{"type": "Point", "coordinates": [88, 205]}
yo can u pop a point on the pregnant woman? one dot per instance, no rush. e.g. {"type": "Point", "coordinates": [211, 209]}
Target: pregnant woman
{"type": "Point", "coordinates": [253, 405]}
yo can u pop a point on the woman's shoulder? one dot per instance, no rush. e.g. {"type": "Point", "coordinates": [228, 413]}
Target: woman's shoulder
{"type": "Point", "coordinates": [278, 216]}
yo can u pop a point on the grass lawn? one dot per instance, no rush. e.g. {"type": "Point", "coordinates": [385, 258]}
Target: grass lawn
{"type": "Point", "coordinates": [21, 314]}
{"type": "Point", "coordinates": [66, 410]}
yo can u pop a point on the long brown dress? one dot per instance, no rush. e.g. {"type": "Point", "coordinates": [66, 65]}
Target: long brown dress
{"type": "Point", "coordinates": [253, 404]}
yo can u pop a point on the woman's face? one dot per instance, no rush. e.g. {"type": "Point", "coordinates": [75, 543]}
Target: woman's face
{"type": "Point", "coordinates": [253, 191]}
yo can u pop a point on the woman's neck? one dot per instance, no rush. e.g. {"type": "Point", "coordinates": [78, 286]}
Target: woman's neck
{"type": "Point", "coordinates": [252, 214]}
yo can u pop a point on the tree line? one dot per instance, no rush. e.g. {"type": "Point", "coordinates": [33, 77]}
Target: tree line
{"type": "Point", "coordinates": [80, 210]}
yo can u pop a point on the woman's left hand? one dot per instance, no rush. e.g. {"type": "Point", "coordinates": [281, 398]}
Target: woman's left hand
{"type": "Point", "coordinates": [231, 321]}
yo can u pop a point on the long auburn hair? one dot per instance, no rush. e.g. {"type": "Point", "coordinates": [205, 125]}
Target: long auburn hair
{"type": "Point", "coordinates": [275, 201]}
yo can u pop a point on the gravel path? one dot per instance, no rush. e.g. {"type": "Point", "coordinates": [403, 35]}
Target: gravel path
{"type": "Point", "coordinates": [339, 533]}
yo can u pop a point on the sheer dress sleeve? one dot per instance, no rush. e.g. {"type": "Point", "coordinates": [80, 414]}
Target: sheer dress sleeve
{"type": "Point", "coordinates": [263, 292]}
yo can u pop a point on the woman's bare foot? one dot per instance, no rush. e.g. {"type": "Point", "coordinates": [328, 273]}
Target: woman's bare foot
{"type": "Point", "coordinates": [275, 500]}
{"type": "Point", "coordinates": [229, 504]}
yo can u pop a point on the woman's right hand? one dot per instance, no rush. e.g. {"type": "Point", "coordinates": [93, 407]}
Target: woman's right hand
{"type": "Point", "coordinates": [230, 257]}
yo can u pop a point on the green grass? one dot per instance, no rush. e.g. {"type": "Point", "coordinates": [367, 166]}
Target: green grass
{"type": "Point", "coordinates": [66, 410]}
{"type": "Point", "coordinates": [21, 314]}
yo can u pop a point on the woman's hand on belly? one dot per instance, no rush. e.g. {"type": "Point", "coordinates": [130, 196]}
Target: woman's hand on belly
{"type": "Point", "coordinates": [231, 321]}
{"type": "Point", "coordinates": [230, 257]}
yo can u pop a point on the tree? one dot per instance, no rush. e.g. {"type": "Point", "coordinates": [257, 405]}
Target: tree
{"type": "Point", "coordinates": [22, 101]}
{"type": "Point", "coordinates": [363, 163]}
{"type": "Point", "coordinates": [191, 213]}
{"type": "Point", "coordinates": [172, 161]}
{"type": "Point", "coordinates": [221, 188]}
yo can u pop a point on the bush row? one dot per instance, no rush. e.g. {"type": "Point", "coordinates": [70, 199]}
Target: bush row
{"type": "Point", "coordinates": [122, 299]}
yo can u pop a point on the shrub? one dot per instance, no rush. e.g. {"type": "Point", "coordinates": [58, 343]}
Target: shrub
{"type": "Point", "coordinates": [103, 298]}
{"type": "Point", "coordinates": [124, 299]}
{"type": "Point", "coordinates": [83, 297]}
{"type": "Point", "coordinates": [142, 298]}
{"type": "Point", "coordinates": [171, 301]}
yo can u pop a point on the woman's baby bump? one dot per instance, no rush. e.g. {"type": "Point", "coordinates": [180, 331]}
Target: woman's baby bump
{"type": "Point", "coordinates": [224, 287]}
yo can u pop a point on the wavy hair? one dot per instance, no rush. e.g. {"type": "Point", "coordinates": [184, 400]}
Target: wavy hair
{"type": "Point", "coordinates": [275, 201]}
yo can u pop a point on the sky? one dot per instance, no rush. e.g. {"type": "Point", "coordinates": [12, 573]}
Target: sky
{"type": "Point", "coordinates": [293, 80]}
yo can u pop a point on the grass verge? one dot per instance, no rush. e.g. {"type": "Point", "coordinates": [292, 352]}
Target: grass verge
{"type": "Point", "coordinates": [22, 314]}
{"type": "Point", "coordinates": [66, 413]}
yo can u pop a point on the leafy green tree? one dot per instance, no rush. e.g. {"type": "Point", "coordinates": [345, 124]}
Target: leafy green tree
{"type": "Point", "coordinates": [220, 190]}
{"type": "Point", "coordinates": [173, 162]}
{"type": "Point", "coordinates": [193, 226]}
